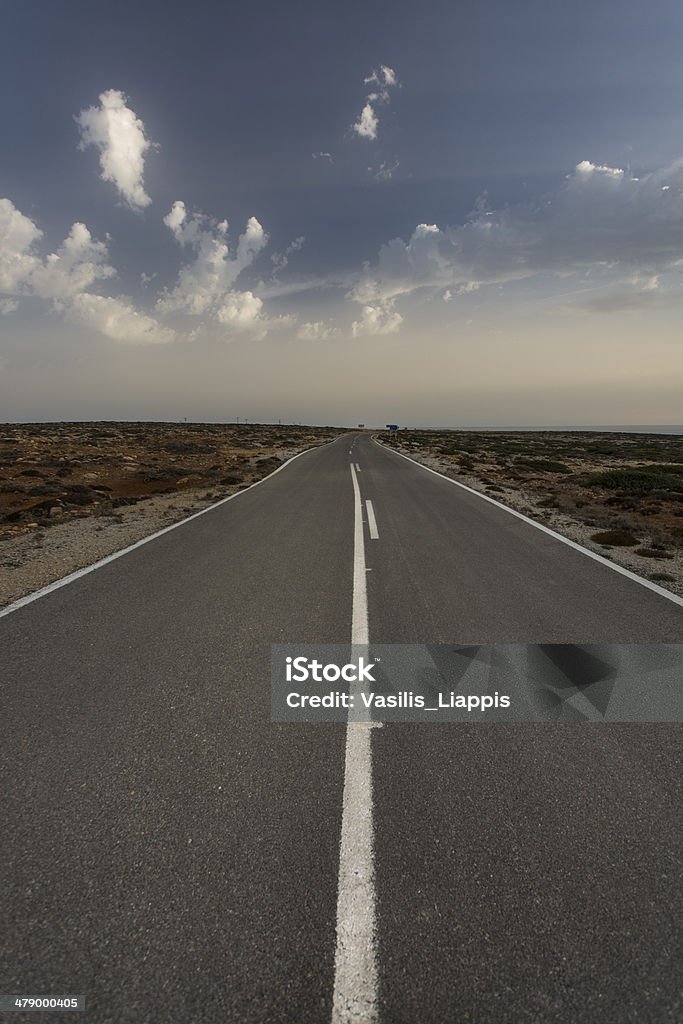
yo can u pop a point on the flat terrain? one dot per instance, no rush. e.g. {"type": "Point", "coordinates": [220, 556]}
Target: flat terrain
{"type": "Point", "coordinates": [71, 493]}
{"type": "Point", "coordinates": [618, 494]}
{"type": "Point", "coordinates": [173, 855]}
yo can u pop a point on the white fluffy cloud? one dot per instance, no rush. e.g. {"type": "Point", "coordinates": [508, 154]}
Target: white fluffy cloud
{"type": "Point", "coordinates": [381, 318]}
{"type": "Point", "coordinates": [250, 243]}
{"type": "Point", "coordinates": [117, 319]}
{"type": "Point", "coordinates": [240, 309]}
{"type": "Point", "coordinates": [17, 237]}
{"type": "Point", "coordinates": [206, 282]}
{"type": "Point", "coordinates": [243, 313]}
{"type": "Point", "coordinates": [384, 78]}
{"type": "Point", "coordinates": [64, 277]}
{"type": "Point", "coordinates": [119, 135]}
{"type": "Point", "coordinates": [367, 124]}
{"type": "Point", "coordinates": [317, 330]}
{"type": "Point", "coordinates": [601, 219]}
{"type": "Point", "coordinates": [77, 264]}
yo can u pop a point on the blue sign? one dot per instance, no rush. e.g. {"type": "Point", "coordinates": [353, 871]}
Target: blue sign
{"type": "Point", "coordinates": [392, 426]}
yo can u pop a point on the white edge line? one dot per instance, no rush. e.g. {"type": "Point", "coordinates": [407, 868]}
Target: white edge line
{"type": "Point", "coordinates": [29, 598]}
{"type": "Point", "coordinates": [372, 521]}
{"type": "Point", "coordinates": [545, 529]}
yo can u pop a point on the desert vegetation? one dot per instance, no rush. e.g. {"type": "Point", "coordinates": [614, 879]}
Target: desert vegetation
{"type": "Point", "coordinates": [72, 493]}
{"type": "Point", "coordinates": [52, 472]}
{"type": "Point", "coordinates": [619, 494]}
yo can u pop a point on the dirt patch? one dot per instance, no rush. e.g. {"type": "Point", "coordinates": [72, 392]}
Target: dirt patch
{"type": "Point", "coordinates": [620, 495]}
{"type": "Point", "coordinates": [71, 493]}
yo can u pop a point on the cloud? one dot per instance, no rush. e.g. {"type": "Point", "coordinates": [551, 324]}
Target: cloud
{"type": "Point", "coordinates": [119, 135]}
{"type": "Point", "coordinates": [601, 220]}
{"type": "Point", "coordinates": [17, 237]}
{"type": "Point", "coordinates": [117, 319]}
{"type": "Point", "coordinates": [323, 156]}
{"type": "Point", "coordinates": [585, 167]}
{"type": "Point", "coordinates": [250, 243]}
{"type": "Point", "coordinates": [385, 171]}
{"type": "Point", "coordinates": [367, 124]}
{"type": "Point", "coordinates": [243, 312]}
{"type": "Point", "coordinates": [385, 78]}
{"type": "Point", "coordinates": [281, 259]}
{"type": "Point", "coordinates": [79, 262]}
{"type": "Point", "coordinates": [204, 284]}
{"type": "Point", "coordinates": [240, 309]}
{"type": "Point", "coordinates": [175, 219]}
{"type": "Point", "coordinates": [64, 277]}
{"type": "Point", "coordinates": [8, 306]}
{"type": "Point", "coordinates": [316, 330]}
{"type": "Point", "coordinates": [639, 291]}
{"type": "Point", "coordinates": [276, 289]}
{"type": "Point", "coordinates": [377, 319]}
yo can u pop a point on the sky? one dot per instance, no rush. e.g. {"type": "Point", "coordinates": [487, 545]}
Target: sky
{"type": "Point", "coordinates": [447, 214]}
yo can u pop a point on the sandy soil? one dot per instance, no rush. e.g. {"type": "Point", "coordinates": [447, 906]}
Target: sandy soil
{"type": "Point", "coordinates": [71, 494]}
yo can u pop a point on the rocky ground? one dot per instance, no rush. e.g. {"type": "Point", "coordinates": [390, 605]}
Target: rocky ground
{"type": "Point", "coordinates": [620, 495]}
{"type": "Point", "coordinates": [71, 493]}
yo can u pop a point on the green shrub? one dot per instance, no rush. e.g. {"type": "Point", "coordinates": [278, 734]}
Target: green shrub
{"type": "Point", "coordinates": [636, 481]}
{"type": "Point", "coordinates": [544, 465]}
{"type": "Point", "coordinates": [615, 538]}
{"type": "Point", "coordinates": [653, 553]}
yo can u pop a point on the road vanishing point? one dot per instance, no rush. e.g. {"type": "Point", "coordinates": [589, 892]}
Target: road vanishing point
{"type": "Point", "coordinates": [175, 856]}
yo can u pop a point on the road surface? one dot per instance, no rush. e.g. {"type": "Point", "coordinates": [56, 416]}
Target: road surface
{"type": "Point", "coordinates": [174, 856]}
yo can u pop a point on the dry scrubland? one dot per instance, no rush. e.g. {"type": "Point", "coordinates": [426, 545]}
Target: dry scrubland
{"type": "Point", "coordinates": [71, 493]}
{"type": "Point", "coordinates": [620, 495]}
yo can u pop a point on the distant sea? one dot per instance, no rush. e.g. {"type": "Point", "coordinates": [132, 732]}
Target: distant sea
{"type": "Point", "coordinates": [617, 428]}
{"type": "Point", "coordinates": [620, 428]}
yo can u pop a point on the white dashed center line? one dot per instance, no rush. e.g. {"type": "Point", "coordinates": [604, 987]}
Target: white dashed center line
{"type": "Point", "coordinates": [372, 522]}
{"type": "Point", "coordinates": [355, 969]}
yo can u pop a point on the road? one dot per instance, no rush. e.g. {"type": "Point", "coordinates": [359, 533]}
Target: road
{"type": "Point", "coordinates": [173, 855]}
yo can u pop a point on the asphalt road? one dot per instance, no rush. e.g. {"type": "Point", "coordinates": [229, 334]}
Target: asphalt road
{"type": "Point", "coordinates": [172, 854]}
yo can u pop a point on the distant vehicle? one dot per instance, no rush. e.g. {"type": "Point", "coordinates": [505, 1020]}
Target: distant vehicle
{"type": "Point", "coordinates": [360, 426]}
{"type": "Point", "coordinates": [392, 426]}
